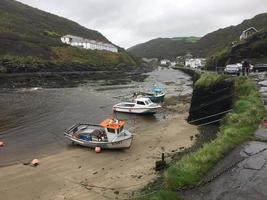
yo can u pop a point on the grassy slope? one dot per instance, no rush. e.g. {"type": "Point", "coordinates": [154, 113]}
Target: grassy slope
{"type": "Point", "coordinates": [236, 128]}
{"type": "Point", "coordinates": [165, 47]}
{"type": "Point", "coordinates": [253, 48]}
{"type": "Point", "coordinates": [218, 40]}
{"type": "Point", "coordinates": [29, 34]}
{"type": "Point", "coordinates": [206, 46]}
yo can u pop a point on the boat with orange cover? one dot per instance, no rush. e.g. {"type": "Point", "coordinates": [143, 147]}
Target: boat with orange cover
{"type": "Point", "coordinates": [109, 134]}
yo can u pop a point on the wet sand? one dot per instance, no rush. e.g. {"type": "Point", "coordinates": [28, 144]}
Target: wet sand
{"type": "Point", "coordinates": [80, 173]}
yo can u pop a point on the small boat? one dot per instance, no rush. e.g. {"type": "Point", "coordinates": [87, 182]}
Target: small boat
{"type": "Point", "coordinates": [140, 106]}
{"type": "Point", "coordinates": [109, 134]}
{"type": "Point", "coordinates": [156, 95]}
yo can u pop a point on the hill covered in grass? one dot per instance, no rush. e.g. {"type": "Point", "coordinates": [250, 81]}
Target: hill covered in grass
{"type": "Point", "coordinates": [254, 49]}
{"type": "Point", "coordinates": [30, 40]}
{"type": "Point", "coordinates": [216, 41]}
{"type": "Point", "coordinates": [206, 46]}
{"type": "Point", "coordinates": [165, 47]}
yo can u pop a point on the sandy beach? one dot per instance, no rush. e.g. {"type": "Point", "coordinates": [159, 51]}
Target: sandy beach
{"type": "Point", "coordinates": [80, 173]}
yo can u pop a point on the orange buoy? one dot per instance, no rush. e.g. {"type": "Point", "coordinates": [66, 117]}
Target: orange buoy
{"type": "Point", "coordinates": [1, 143]}
{"type": "Point", "coordinates": [34, 162]}
{"type": "Point", "coordinates": [97, 149]}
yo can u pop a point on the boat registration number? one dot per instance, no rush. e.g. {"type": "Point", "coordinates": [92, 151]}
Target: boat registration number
{"type": "Point", "coordinates": [115, 143]}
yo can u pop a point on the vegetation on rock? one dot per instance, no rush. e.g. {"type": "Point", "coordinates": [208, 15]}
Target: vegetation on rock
{"type": "Point", "coordinates": [254, 48]}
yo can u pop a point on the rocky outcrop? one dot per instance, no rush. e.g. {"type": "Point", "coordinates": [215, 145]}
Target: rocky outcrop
{"type": "Point", "coordinates": [207, 101]}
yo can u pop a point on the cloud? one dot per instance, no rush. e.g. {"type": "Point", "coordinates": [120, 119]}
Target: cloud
{"type": "Point", "coordinates": [127, 23]}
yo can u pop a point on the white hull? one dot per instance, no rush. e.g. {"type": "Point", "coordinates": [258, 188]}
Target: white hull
{"type": "Point", "coordinates": [135, 110]}
{"type": "Point", "coordinates": [117, 144]}
{"type": "Point", "coordinates": [139, 106]}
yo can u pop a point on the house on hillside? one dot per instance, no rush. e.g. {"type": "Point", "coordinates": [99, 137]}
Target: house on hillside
{"type": "Point", "coordinates": [165, 62]}
{"type": "Point", "coordinates": [173, 63]}
{"type": "Point", "coordinates": [195, 62]}
{"type": "Point", "coordinates": [87, 43]}
{"type": "Point", "coordinates": [188, 56]}
{"type": "Point", "coordinates": [248, 32]}
{"type": "Point", "coordinates": [149, 60]}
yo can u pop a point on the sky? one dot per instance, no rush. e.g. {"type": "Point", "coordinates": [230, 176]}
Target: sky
{"type": "Point", "coordinates": [129, 22]}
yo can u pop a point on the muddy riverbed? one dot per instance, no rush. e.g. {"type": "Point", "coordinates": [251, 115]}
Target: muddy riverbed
{"type": "Point", "coordinates": [32, 125]}
{"type": "Point", "coordinates": [33, 119]}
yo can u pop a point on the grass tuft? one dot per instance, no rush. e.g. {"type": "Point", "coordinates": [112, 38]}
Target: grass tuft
{"type": "Point", "coordinates": [208, 80]}
{"type": "Point", "coordinates": [162, 195]}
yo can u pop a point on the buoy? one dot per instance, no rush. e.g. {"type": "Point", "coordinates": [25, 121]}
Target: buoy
{"type": "Point", "coordinates": [34, 162]}
{"type": "Point", "coordinates": [97, 149]}
{"type": "Point", "coordinates": [1, 143]}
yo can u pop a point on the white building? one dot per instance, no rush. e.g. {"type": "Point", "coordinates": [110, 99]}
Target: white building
{"type": "Point", "coordinates": [87, 44]}
{"type": "Point", "coordinates": [149, 60]}
{"type": "Point", "coordinates": [248, 32]}
{"type": "Point", "coordinates": [165, 62]}
{"type": "Point", "coordinates": [195, 62]}
{"type": "Point", "coordinates": [173, 63]}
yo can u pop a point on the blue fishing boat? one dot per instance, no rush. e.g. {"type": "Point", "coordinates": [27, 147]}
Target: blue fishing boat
{"type": "Point", "coordinates": [156, 95]}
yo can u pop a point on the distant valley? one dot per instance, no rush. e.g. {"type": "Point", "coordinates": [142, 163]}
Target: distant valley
{"type": "Point", "coordinates": [209, 46]}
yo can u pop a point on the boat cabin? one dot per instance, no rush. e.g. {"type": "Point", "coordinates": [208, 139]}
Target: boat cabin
{"type": "Point", "coordinates": [143, 101]}
{"type": "Point", "coordinates": [157, 90]}
{"type": "Point", "coordinates": [113, 126]}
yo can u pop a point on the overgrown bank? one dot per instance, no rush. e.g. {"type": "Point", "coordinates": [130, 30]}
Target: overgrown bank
{"type": "Point", "coordinates": [236, 127]}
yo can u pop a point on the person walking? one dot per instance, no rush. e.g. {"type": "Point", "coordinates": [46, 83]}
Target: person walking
{"type": "Point", "coordinates": [245, 68]}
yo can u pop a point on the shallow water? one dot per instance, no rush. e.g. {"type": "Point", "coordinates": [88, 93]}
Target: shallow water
{"type": "Point", "coordinates": [33, 119]}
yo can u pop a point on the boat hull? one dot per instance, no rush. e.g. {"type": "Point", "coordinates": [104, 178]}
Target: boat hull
{"type": "Point", "coordinates": [135, 110]}
{"type": "Point", "coordinates": [157, 99]}
{"type": "Point", "coordinates": [124, 143]}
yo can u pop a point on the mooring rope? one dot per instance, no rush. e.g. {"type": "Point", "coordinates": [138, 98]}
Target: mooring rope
{"type": "Point", "coordinates": [195, 120]}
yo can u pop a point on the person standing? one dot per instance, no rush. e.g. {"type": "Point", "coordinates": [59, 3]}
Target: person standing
{"type": "Point", "coordinates": [245, 68]}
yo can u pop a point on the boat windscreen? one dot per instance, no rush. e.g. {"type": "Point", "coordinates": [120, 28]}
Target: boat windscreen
{"type": "Point", "coordinates": [111, 130]}
{"type": "Point", "coordinates": [97, 132]}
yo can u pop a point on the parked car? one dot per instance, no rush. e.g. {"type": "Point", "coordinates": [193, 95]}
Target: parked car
{"type": "Point", "coordinates": [260, 68]}
{"type": "Point", "coordinates": [235, 69]}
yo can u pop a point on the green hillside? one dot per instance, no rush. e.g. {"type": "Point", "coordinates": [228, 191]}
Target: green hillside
{"type": "Point", "coordinates": [218, 40]}
{"type": "Point", "coordinates": [165, 47]}
{"type": "Point", "coordinates": [206, 46]}
{"type": "Point", "coordinates": [253, 49]}
{"type": "Point", "coordinates": [30, 40]}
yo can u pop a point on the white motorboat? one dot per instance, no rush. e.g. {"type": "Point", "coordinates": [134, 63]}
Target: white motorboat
{"type": "Point", "coordinates": [140, 105]}
{"type": "Point", "coordinates": [109, 134]}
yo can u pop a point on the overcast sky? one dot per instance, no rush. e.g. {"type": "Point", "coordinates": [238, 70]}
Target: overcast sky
{"type": "Point", "coordinates": [129, 22]}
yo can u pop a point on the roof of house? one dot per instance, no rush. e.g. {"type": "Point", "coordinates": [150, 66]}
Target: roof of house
{"type": "Point", "coordinates": [251, 28]}
{"type": "Point", "coordinates": [80, 39]}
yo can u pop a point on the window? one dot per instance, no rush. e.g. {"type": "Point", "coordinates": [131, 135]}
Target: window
{"type": "Point", "coordinates": [121, 129]}
{"type": "Point", "coordinates": [141, 103]}
{"type": "Point", "coordinates": [110, 130]}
